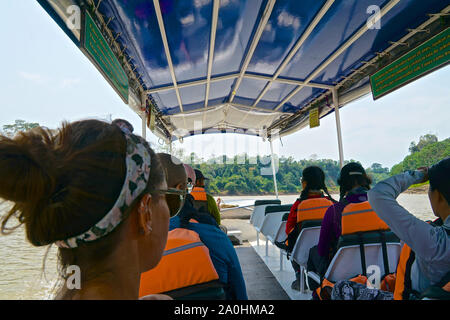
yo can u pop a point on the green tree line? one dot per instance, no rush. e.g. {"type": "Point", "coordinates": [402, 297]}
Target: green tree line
{"type": "Point", "coordinates": [426, 155]}
{"type": "Point", "coordinates": [254, 176]}
{"type": "Point", "coordinates": [242, 174]}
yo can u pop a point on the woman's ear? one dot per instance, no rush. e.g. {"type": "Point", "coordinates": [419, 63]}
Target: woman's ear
{"type": "Point", "coordinates": [181, 186]}
{"type": "Point", "coordinates": [145, 214]}
{"type": "Point", "coordinates": [304, 184]}
{"type": "Point", "coordinates": [441, 201]}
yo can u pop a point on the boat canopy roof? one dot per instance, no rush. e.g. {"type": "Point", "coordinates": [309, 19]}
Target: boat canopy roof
{"type": "Point", "coordinates": [248, 66]}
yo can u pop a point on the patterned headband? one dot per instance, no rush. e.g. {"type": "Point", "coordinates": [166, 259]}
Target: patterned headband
{"type": "Point", "coordinates": [138, 170]}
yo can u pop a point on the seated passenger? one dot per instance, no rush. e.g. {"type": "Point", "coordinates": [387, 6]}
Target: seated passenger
{"type": "Point", "coordinates": [311, 205]}
{"type": "Point", "coordinates": [190, 176]}
{"type": "Point", "coordinates": [354, 185]}
{"type": "Point", "coordinates": [221, 250]}
{"type": "Point", "coordinates": [97, 193]}
{"type": "Point", "coordinates": [423, 270]}
{"type": "Point", "coordinates": [177, 179]}
{"type": "Point", "coordinates": [203, 201]}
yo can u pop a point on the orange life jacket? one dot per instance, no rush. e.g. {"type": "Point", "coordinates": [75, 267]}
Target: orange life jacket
{"type": "Point", "coordinates": [403, 279]}
{"type": "Point", "coordinates": [360, 217]}
{"type": "Point", "coordinates": [312, 209]}
{"type": "Point", "coordinates": [185, 262]}
{"type": "Point", "coordinates": [356, 217]}
{"type": "Point", "coordinates": [403, 285]}
{"type": "Point", "coordinates": [199, 194]}
{"type": "Point", "coordinates": [200, 200]}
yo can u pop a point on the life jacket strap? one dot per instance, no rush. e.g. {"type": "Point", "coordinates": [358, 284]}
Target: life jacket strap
{"type": "Point", "coordinates": [385, 253]}
{"type": "Point", "coordinates": [362, 254]}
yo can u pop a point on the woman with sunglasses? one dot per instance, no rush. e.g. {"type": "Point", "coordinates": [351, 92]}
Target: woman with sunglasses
{"type": "Point", "coordinates": [179, 200]}
{"type": "Point", "coordinates": [97, 193]}
{"type": "Point", "coordinates": [223, 254]}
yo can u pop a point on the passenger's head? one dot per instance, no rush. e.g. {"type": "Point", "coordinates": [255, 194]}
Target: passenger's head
{"type": "Point", "coordinates": [439, 191]}
{"type": "Point", "coordinates": [352, 176]}
{"type": "Point", "coordinates": [175, 172]}
{"type": "Point", "coordinates": [199, 179]}
{"type": "Point", "coordinates": [191, 179]}
{"type": "Point", "coordinates": [176, 182]}
{"type": "Point", "coordinates": [313, 179]}
{"type": "Point", "coordinates": [89, 188]}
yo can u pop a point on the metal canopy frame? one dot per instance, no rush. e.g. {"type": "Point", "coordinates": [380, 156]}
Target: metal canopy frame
{"type": "Point", "coordinates": [295, 49]}
{"type": "Point", "coordinates": [234, 76]}
{"type": "Point", "coordinates": [343, 91]}
{"type": "Point", "coordinates": [164, 130]}
{"type": "Point", "coordinates": [162, 30]}
{"type": "Point", "coordinates": [212, 41]}
{"type": "Point", "coordinates": [288, 122]}
{"type": "Point", "coordinates": [262, 24]}
{"type": "Point", "coordinates": [339, 51]}
{"type": "Point", "coordinates": [357, 75]}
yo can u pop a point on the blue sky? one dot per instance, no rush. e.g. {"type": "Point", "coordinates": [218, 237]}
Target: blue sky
{"type": "Point", "coordinates": [46, 79]}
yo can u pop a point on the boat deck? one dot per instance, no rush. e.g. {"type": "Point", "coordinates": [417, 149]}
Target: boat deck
{"type": "Point", "coordinates": [264, 278]}
{"type": "Point", "coordinates": [260, 282]}
{"type": "Point", "coordinates": [283, 276]}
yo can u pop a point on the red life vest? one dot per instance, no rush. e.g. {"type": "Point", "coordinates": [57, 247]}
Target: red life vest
{"type": "Point", "coordinates": [185, 262]}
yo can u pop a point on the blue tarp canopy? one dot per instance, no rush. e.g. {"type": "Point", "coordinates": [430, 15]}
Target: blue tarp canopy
{"type": "Point", "coordinates": [247, 65]}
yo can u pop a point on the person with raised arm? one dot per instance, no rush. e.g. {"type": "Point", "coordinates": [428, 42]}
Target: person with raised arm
{"type": "Point", "coordinates": [423, 270]}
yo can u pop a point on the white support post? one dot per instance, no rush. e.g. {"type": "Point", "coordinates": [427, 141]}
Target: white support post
{"type": "Point", "coordinates": [338, 126]}
{"type": "Point", "coordinates": [144, 126]}
{"type": "Point", "coordinates": [302, 280]}
{"type": "Point", "coordinates": [273, 168]}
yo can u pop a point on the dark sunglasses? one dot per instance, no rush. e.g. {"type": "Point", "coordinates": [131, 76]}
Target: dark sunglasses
{"type": "Point", "coordinates": [175, 199]}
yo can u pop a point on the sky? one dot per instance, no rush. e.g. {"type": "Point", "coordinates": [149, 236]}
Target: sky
{"type": "Point", "coordinates": [45, 78]}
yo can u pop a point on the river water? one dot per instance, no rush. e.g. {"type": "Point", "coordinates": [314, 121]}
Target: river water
{"type": "Point", "coordinates": [21, 264]}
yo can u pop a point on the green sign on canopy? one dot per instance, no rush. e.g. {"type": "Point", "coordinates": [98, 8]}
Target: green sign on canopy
{"type": "Point", "coordinates": [429, 56]}
{"type": "Point", "coordinates": [99, 52]}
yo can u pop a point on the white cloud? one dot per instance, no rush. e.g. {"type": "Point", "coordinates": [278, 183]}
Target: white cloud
{"type": "Point", "coordinates": [70, 82]}
{"type": "Point", "coordinates": [33, 77]}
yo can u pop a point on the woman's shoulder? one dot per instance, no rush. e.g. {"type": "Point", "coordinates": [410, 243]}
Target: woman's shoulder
{"type": "Point", "coordinates": [336, 207]}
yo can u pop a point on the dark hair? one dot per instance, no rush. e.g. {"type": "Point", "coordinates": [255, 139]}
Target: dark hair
{"type": "Point", "coordinates": [315, 180]}
{"type": "Point", "coordinates": [439, 176]}
{"type": "Point", "coordinates": [62, 184]}
{"type": "Point", "coordinates": [352, 175]}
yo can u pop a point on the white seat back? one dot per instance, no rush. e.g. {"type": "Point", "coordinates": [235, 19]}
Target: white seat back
{"type": "Point", "coordinates": [259, 220]}
{"type": "Point", "coordinates": [281, 233]}
{"type": "Point", "coordinates": [258, 214]}
{"type": "Point", "coordinates": [347, 261]}
{"type": "Point", "coordinates": [308, 238]}
{"type": "Point", "coordinates": [271, 224]}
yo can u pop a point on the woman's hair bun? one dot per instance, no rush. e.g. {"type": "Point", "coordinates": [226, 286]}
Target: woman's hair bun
{"type": "Point", "coordinates": [26, 162]}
